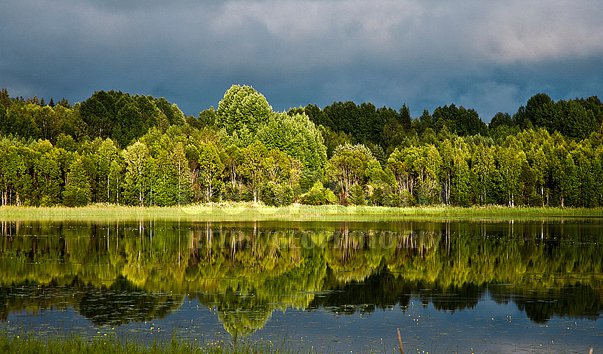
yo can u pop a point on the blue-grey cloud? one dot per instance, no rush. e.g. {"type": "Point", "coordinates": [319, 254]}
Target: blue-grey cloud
{"type": "Point", "coordinates": [486, 55]}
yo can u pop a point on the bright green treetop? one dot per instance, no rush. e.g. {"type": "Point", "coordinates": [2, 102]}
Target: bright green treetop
{"type": "Point", "coordinates": [297, 136]}
{"type": "Point", "coordinates": [242, 106]}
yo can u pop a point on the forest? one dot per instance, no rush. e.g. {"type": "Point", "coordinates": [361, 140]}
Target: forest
{"type": "Point", "coordinates": [119, 148]}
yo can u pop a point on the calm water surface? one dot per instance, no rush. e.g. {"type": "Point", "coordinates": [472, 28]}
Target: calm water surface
{"type": "Point", "coordinates": [449, 286]}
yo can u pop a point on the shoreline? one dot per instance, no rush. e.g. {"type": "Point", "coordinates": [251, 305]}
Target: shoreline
{"type": "Point", "coordinates": [295, 212]}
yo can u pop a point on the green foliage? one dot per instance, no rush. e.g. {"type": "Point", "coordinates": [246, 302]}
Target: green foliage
{"type": "Point", "coordinates": [510, 162]}
{"type": "Point", "coordinates": [483, 170]}
{"type": "Point", "coordinates": [277, 194]}
{"type": "Point", "coordinates": [333, 139]}
{"type": "Point", "coordinates": [207, 117]}
{"type": "Point", "coordinates": [242, 107]}
{"type": "Point", "coordinates": [574, 118]}
{"type": "Point", "coordinates": [357, 195]}
{"type": "Point", "coordinates": [19, 120]}
{"type": "Point", "coordinates": [318, 195]}
{"type": "Point", "coordinates": [210, 169]}
{"type": "Point", "coordinates": [137, 181]}
{"type": "Point", "coordinates": [458, 120]}
{"type": "Point", "coordinates": [364, 122]}
{"type": "Point", "coordinates": [139, 150]}
{"type": "Point", "coordinates": [297, 136]}
{"type": "Point", "coordinates": [172, 186]}
{"type": "Point", "coordinates": [77, 189]}
{"type": "Point", "coordinates": [124, 117]}
{"type": "Point", "coordinates": [348, 167]}
{"type": "Point", "coordinates": [252, 168]}
{"type": "Point", "coordinates": [47, 173]}
{"type": "Point", "coordinates": [415, 171]}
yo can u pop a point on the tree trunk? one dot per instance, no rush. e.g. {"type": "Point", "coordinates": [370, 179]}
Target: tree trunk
{"type": "Point", "coordinates": [209, 191]}
{"type": "Point", "coordinates": [179, 175]}
{"type": "Point", "coordinates": [233, 176]}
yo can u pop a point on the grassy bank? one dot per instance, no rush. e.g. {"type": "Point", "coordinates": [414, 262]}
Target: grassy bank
{"type": "Point", "coordinates": [33, 345]}
{"type": "Point", "coordinates": [248, 211]}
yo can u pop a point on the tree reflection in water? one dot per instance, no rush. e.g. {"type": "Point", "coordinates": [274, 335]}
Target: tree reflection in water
{"type": "Point", "coordinates": [117, 272]}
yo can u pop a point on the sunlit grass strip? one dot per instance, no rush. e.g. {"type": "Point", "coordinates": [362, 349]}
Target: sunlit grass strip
{"type": "Point", "coordinates": [111, 345]}
{"type": "Point", "coordinates": [250, 212]}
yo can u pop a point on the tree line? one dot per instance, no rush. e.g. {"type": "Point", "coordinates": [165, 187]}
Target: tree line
{"type": "Point", "coordinates": [139, 150]}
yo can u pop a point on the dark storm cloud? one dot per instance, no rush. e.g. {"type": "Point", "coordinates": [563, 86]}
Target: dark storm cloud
{"type": "Point", "coordinates": [490, 56]}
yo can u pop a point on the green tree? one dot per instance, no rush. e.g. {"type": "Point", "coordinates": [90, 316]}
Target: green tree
{"type": "Point", "coordinates": [537, 146]}
{"type": "Point", "coordinates": [357, 195]}
{"type": "Point", "coordinates": [46, 121]}
{"type": "Point", "coordinates": [318, 195]}
{"type": "Point", "coordinates": [171, 111]}
{"type": "Point", "coordinates": [98, 111]}
{"type": "Point", "coordinates": [47, 173]}
{"type": "Point", "coordinates": [207, 117]}
{"type": "Point", "coordinates": [455, 174]}
{"type": "Point", "coordinates": [181, 167]}
{"type": "Point", "coordinates": [277, 194]}
{"type": "Point", "coordinates": [458, 120]}
{"type": "Point", "coordinates": [70, 121]}
{"type": "Point", "coordinates": [483, 167]}
{"type": "Point", "coordinates": [130, 122]}
{"type": "Point", "coordinates": [393, 134]}
{"type": "Point", "coordinates": [282, 174]}
{"type": "Point", "coordinates": [242, 106]}
{"type": "Point", "coordinates": [426, 169]}
{"type": "Point", "coordinates": [565, 175]}
{"type": "Point", "coordinates": [332, 139]}
{"type": "Point", "coordinates": [115, 180]}
{"type": "Point", "coordinates": [19, 121]}
{"type": "Point", "coordinates": [136, 181]}
{"type": "Point", "coordinates": [405, 118]}
{"type": "Point", "coordinates": [171, 186]}
{"type": "Point", "coordinates": [233, 161]}
{"type": "Point", "coordinates": [348, 167]}
{"type": "Point", "coordinates": [77, 189]}
{"type": "Point", "coordinates": [297, 136]}
{"type": "Point", "coordinates": [13, 170]}
{"type": "Point", "coordinates": [21, 175]}
{"type": "Point", "coordinates": [415, 170]}
{"type": "Point", "coordinates": [282, 168]}
{"type": "Point", "coordinates": [107, 153]}
{"type": "Point", "coordinates": [211, 169]}
{"type": "Point", "coordinates": [397, 165]}
{"type": "Point", "coordinates": [252, 168]}
{"type": "Point", "coordinates": [511, 160]}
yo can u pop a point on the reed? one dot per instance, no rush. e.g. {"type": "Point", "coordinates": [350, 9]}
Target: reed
{"type": "Point", "coordinates": [111, 345]}
{"type": "Point", "coordinates": [250, 212]}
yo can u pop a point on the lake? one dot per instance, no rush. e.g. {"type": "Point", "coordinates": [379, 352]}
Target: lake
{"type": "Point", "coordinates": [449, 286]}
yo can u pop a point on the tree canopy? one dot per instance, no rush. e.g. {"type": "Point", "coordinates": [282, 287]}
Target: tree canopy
{"type": "Point", "coordinates": [139, 150]}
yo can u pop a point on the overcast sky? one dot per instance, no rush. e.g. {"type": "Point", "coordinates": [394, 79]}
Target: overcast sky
{"type": "Point", "coordinates": [487, 55]}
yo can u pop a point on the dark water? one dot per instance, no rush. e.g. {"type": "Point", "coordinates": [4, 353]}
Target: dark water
{"type": "Point", "coordinates": [448, 286]}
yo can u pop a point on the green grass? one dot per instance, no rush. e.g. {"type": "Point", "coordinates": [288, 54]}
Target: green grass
{"type": "Point", "coordinates": [111, 345]}
{"type": "Point", "coordinates": [249, 211]}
